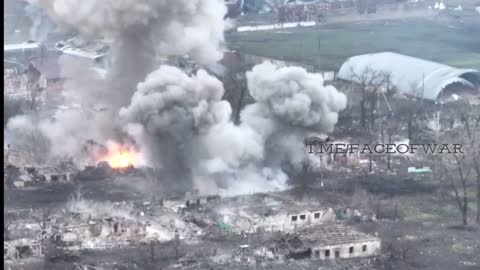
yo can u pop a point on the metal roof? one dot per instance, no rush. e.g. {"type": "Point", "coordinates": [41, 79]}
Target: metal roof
{"type": "Point", "coordinates": [410, 76]}
{"type": "Point", "coordinates": [78, 46]}
{"type": "Point", "coordinates": [21, 46]}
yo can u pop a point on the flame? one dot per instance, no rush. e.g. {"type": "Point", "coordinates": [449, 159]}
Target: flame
{"type": "Point", "coordinates": [121, 160]}
{"type": "Point", "coordinates": [121, 156]}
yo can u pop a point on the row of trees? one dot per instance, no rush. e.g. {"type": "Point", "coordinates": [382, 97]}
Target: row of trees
{"type": "Point", "coordinates": [459, 172]}
{"type": "Point", "coordinates": [462, 172]}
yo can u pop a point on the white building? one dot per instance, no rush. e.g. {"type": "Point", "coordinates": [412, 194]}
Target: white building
{"type": "Point", "coordinates": [411, 76]}
{"type": "Point", "coordinates": [337, 241]}
{"type": "Point", "coordinates": [327, 241]}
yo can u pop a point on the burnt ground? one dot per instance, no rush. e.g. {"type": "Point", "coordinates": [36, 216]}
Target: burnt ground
{"type": "Point", "coordinates": [426, 235]}
{"type": "Point", "coordinates": [426, 232]}
{"type": "Point", "coordinates": [54, 195]}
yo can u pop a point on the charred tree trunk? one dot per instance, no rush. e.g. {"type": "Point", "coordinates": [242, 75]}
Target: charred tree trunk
{"type": "Point", "coordinates": [410, 126]}
{"type": "Point", "coordinates": [370, 156]}
{"type": "Point", "coordinates": [243, 90]}
{"type": "Point", "coordinates": [462, 199]}
{"type": "Point", "coordinates": [362, 114]}
{"type": "Point", "coordinates": [477, 219]}
{"type": "Point", "coordinates": [389, 158]}
{"type": "Point", "coordinates": [378, 209]}
{"type": "Point", "coordinates": [152, 252]}
{"type": "Point", "coordinates": [373, 105]}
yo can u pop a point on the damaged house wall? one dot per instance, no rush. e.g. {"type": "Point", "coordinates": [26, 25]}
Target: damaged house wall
{"type": "Point", "coordinates": [326, 241]}
{"type": "Point", "coordinates": [22, 248]}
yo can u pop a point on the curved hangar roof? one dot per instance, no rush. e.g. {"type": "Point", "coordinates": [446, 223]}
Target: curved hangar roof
{"type": "Point", "coordinates": [408, 73]}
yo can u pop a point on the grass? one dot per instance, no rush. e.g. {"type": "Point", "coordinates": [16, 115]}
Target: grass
{"type": "Point", "coordinates": [413, 214]}
{"type": "Point", "coordinates": [327, 47]}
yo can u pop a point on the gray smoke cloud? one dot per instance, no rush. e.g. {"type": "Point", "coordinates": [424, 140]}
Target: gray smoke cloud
{"type": "Point", "coordinates": [295, 97]}
{"type": "Point", "coordinates": [68, 128]}
{"type": "Point", "coordinates": [188, 127]}
{"type": "Point", "coordinates": [140, 32]}
{"type": "Point", "coordinates": [193, 27]}
{"type": "Point", "coordinates": [174, 109]}
{"type": "Point", "coordinates": [25, 133]}
{"type": "Point", "coordinates": [179, 120]}
{"type": "Point", "coordinates": [42, 25]}
{"type": "Point", "coordinates": [290, 103]}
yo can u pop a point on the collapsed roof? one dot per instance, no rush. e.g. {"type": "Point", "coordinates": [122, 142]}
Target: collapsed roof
{"type": "Point", "coordinates": [83, 48]}
{"type": "Point", "coordinates": [408, 75]}
{"type": "Point", "coordinates": [328, 234]}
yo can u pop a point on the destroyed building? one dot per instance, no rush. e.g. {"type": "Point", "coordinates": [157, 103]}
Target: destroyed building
{"type": "Point", "coordinates": [270, 214]}
{"type": "Point", "coordinates": [321, 157]}
{"type": "Point", "coordinates": [326, 241]}
{"type": "Point", "coordinates": [79, 231]}
{"type": "Point", "coordinates": [27, 175]}
{"type": "Point", "coordinates": [43, 75]}
{"type": "Point", "coordinates": [295, 218]}
{"type": "Point", "coordinates": [21, 248]}
{"type": "Point", "coordinates": [94, 51]}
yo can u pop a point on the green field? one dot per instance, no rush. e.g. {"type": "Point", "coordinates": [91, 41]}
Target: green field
{"type": "Point", "coordinates": [330, 45]}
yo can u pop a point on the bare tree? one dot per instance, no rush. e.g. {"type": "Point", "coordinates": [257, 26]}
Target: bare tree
{"type": "Point", "coordinates": [456, 172]}
{"type": "Point", "coordinates": [34, 87]}
{"type": "Point", "coordinates": [236, 90]}
{"type": "Point", "coordinates": [471, 128]}
{"type": "Point", "coordinates": [371, 84]}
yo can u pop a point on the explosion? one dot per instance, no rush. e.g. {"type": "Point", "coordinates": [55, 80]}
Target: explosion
{"type": "Point", "coordinates": [179, 122]}
{"type": "Point", "coordinates": [121, 156]}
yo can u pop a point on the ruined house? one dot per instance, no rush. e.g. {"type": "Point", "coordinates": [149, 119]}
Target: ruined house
{"type": "Point", "coordinates": [94, 52]}
{"type": "Point", "coordinates": [321, 154]}
{"type": "Point", "coordinates": [195, 202]}
{"type": "Point", "coordinates": [56, 174]}
{"type": "Point", "coordinates": [83, 227]}
{"type": "Point", "coordinates": [333, 241]}
{"type": "Point", "coordinates": [21, 248]}
{"type": "Point", "coordinates": [14, 156]}
{"type": "Point", "coordinates": [43, 76]}
{"type": "Point", "coordinates": [325, 242]}
{"type": "Point", "coordinates": [260, 218]}
{"type": "Point", "coordinates": [310, 217]}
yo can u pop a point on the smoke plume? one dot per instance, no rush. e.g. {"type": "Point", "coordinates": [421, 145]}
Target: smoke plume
{"type": "Point", "coordinates": [179, 120]}
{"type": "Point", "coordinates": [144, 30]}
{"type": "Point", "coordinates": [140, 32]}
{"type": "Point", "coordinates": [174, 109]}
{"type": "Point", "coordinates": [290, 103]}
{"type": "Point", "coordinates": [42, 25]}
{"type": "Point", "coordinates": [188, 127]}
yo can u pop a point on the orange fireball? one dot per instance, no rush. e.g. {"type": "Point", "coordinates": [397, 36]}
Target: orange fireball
{"type": "Point", "coordinates": [121, 160]}
{"type": "Point", "coordinates": [120, 156]}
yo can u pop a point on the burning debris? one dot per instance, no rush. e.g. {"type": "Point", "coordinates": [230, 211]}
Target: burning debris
{"type": "Point", "coordinates": [189, 173]}
{"type": "Point", "coordinates": [151, 25]}
{"type": "Point", "coordinates": [173, 121]}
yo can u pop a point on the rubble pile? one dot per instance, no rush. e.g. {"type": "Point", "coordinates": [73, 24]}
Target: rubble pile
{"type": "Point", "coordinates": [263, 228]}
